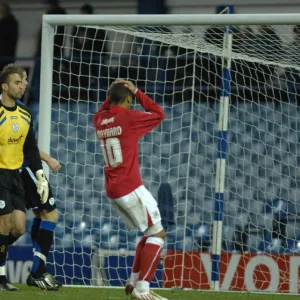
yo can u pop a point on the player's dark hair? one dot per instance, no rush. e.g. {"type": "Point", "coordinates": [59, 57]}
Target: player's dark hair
{"type": "Point", "coordinates": [118, 93]}
{"type": "Point", "coordinates": [9, 70]}
{"type": "Point", "coordinates": [22, 69]}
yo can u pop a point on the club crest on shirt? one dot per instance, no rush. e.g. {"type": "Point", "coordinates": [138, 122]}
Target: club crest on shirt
{"type": "Point", "coordinates": [15, 127]}
{"type": "Point", "coordinates": [51, 201]}
{"type": "Point", "coordinates": [2, 204]}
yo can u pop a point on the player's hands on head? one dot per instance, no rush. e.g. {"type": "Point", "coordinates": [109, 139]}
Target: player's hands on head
{"type": "Point", "coordinates": [53, 164]}
{"type": "Point", "coordinates": [108, 91]}
{"type": "Point", "coordinates": [128, 84]}
{"type": "Point", "coordinates": [42, 186]}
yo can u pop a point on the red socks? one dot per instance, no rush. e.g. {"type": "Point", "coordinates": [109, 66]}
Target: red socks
{"type": "Point", "coordinates": [146, 260]}
{"type": "Point", "coordinates": [138, 252]}
{"type": "Point", "coordinates": [150, 257]}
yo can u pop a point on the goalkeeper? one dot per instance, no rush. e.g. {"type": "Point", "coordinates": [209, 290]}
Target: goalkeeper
{"type": "Point", "coordinates": [16, 139]}
{"type": "Point", "coordinates": [44, 222]}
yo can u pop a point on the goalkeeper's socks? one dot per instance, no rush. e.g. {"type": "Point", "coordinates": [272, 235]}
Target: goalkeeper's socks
{"type": "Point", "coordinates": [150, 258]}
{"type": "Point", "coordinates": [42, 246]}
{"type": "Point", "coordinates": [36, 222]}
{"type": "Point", "coordinates": [3, 253]}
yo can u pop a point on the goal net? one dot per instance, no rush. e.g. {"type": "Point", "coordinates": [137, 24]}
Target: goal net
{"type": "Point", "coordinates": [181, 68]}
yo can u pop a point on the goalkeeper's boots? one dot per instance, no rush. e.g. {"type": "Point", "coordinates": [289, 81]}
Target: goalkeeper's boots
{"type": "Point", "coordinates": [7, 286]}
{"type": "Point", "coordinates": [52, 278]}
{"type": "Point", "coordinates": [44, 283]}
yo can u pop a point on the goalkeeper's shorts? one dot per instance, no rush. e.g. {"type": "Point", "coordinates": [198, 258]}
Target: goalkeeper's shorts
{"type": "Point", "coordinates": [12, 195]}
{"type": "Point", "coordinates": [32, 198]}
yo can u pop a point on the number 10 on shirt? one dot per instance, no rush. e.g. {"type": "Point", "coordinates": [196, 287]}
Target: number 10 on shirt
{"type": "Point", "coordinates": [112, 152]}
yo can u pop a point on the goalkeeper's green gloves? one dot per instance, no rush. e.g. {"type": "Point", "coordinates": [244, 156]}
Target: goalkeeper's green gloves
{"type": "Point", "coordinates": [42, 186]}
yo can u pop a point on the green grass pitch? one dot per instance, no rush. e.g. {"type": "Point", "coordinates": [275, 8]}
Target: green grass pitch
{"type": "Point", "coordinates": [67, 293]}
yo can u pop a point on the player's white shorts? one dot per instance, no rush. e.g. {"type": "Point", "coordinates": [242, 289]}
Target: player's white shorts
{"type": "Point", "coordinates": [139, 210]}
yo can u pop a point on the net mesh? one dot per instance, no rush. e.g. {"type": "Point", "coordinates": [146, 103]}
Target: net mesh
{"type": "Point", "coordinates": [180, 67]}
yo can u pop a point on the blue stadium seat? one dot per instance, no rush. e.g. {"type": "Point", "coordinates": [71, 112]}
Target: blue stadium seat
{"type": "Point", "coordinates": [67, 241]}
{"type": "Point", "coordinates": [89, 171]}
{"type": "Point", "coordinates": [90, 135]}
{"type": "Point", "coordinates": [175, 135]}
{"type": "Point", "coordinates": [79, 183]}
{"type": "Point", "coordinates": [206, 218]}
{"type": "Point", "coordinates": [80, 157]}
{"type": "Point", "coordinates": [254, 242]}
{"type": "Point", "coordinates": [231, 208]}
{"type": "Point", "coordinates": [292, 230]}
{"type": "Point", "coordinates": [209, 117]}
{"type": "Point", "coordinates": [277, 246]}
{"type": "Point", "coordinates": [261, 222]}
{"type": "Point", "coordinates": [193, 218]}
{"type": "Point", "coordinates": [113, 242]}
{"type": "Point", "coordinates": [54, 143]}
{"type": "Point", "coordinates": [251, 154]}
{"type": "Point", "coordinates": [253, 206]}
{"type": "Point", "coordinates": [208, 205]}
{"type": "Point", "coordinates": [179, 233]}
{"type": "Point", "coordinates": [186, 119]}
{"type": "Point", "coordinates": [182, 245]}
{"type": "Point", "coordinates": [229, 220]}
{"type": "Point", "coordinates": [200, 231]}
{"type": "Point", "coordinates": [227, 237]}
{"type": "Point", "coordinates": [276, 207]}
{"type": "Point", "coordinates": [88, 241]}
{"type": "Point", "coordinates": [166, 126]}
{"type": "Point", "coordinates": [177, 110]}
{"type": "Point", "coordinates": [92, 146]}
{"type": "Point", "coordinates": [240, 221]}
{"type": "Point", "coordinates": [70, 169]}
{"type": "Point", "coordinates": [59, 229]}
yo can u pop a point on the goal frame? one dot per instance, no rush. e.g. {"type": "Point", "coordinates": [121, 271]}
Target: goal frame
{"type": "Point", "coordinates": [50, 21]}
{"type": "Point", "coordinates": [48, 31]}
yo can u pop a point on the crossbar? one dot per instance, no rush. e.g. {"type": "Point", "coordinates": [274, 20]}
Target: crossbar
{"type": "Point", "coordinates": [173, 19]}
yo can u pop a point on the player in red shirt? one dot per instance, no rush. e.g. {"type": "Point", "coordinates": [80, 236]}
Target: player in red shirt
{"type": "Point", "coordinates": [118, 128]}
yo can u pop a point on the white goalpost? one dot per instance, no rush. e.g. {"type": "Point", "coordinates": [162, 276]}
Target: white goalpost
{"type": "Point", "coordinates": [228, 148]}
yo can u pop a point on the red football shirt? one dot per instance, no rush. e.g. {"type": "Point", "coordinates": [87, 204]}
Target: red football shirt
{"type": "Point", "coordinates": [119, 130]}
